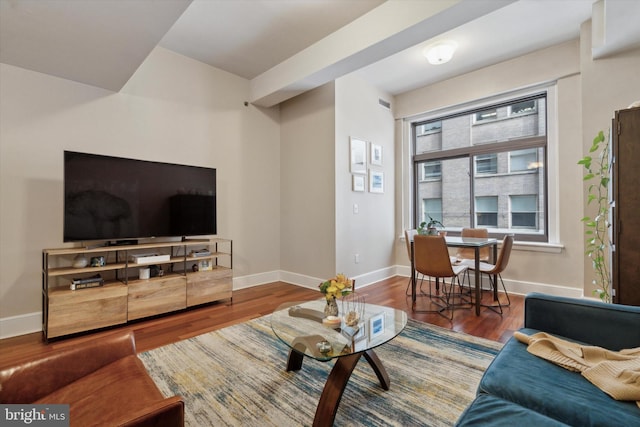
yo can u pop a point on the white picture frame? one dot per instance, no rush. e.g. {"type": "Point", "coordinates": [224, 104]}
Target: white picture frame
{"type": "Point", "coordinates": [358, 156]}
{"type": "Point", "coordinates": [376, 154]}
{"type": "Point", "coordinates": [376, 326]}
{"type": "Point", "coordinates": [376, 182]}
{"type": "Point", "coordinates": [358, 182]}
{"type": "Point", "coordinates": [361, 334]}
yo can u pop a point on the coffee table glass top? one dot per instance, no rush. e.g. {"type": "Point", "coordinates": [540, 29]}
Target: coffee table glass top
{"type": "Point", "coordinates": [300, 326]}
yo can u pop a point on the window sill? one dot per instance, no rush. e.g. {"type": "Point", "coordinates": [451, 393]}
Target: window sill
{"type": "Point", "coordinates": [554, 248]}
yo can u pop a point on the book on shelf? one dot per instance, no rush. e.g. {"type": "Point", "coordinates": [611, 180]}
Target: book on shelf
{"type": "Point", "coordinates": [92, 279]}
{"type": "Point", "coordinates": [75, 286]}
{"type": "Point", "coordinates": [86, 282]}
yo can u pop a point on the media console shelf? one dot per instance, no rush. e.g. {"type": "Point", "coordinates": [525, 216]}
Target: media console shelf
{"type": "Point", "coordinates": [192, 272]}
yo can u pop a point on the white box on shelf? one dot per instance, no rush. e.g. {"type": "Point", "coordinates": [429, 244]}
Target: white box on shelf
{"type": "Point", "coordinates": [148, 258]}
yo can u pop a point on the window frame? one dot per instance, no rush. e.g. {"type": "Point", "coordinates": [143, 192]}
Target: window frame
{"type": "Point", "coordinates": [481, 212]}
{"type": "Point", "coordinates": [487, 156]}
{"type": "Point", "coordinates": [437, 176]}
{"type": "Point", "coordinates": [510, 167]}
{"type": "Point", "coordinates": [512, 211]}
{"type": "Point", "coordinates": [506, 146]}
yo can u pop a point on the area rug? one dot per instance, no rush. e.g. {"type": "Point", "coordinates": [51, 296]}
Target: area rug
{"type": "Point", "coordinates": [236, 377]}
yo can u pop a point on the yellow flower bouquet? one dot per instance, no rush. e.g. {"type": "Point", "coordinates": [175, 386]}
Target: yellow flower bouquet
{"type": "Point", "coordinates": [338, 286]}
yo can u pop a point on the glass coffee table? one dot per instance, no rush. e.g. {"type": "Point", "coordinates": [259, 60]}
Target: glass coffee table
{"type": "Point", "coordinates": [300, 326]}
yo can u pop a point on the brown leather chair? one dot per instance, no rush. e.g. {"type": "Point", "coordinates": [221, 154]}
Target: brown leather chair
{"type": "Point", "coordinates": [431, 258]}
{"type": "Point", "coordinates": [102, 381]}
{"type": "Point", "coordinates": [408, 239]}
{"type": "Point", "coordinates": [469, 253]}
{"type": "Point", "coordinates": [495, 271]}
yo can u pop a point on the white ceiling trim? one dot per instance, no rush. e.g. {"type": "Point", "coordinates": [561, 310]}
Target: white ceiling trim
{"type": "Point", "coordinates": [366, 40]}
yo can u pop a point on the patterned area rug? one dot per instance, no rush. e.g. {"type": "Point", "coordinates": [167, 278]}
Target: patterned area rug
{"type": "Point", "coordinates": [236, 377]}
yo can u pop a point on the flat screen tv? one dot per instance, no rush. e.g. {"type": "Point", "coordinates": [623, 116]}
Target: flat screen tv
{"type": "Point", "coordinates": [116, 199]}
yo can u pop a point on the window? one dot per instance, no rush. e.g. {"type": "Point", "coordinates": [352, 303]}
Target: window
{"type": "Point", "coordinates": [485, 167]}
{"type": "Point", "coordinates": [523, 160]}
{"type": "Point", "coordinates": [485, 115]}
{"type": "Point", "coordinates": [487, 211]}
{"type": "Point", "coordinates": [431, 170]}
{"type": "Point", "coordinates": [524, 107]}
{"type": "Point", "coordinates": [432, 208]}
{"type": "Point", "coordinates": [432, 127]}
{"type": "Point", "coordinates": [486, 163]}
{"type": "Point", "coordinates": [523, 211]}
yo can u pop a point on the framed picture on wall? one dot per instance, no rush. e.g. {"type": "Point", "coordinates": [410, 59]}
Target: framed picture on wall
{"type": "Point", "coordinates": [376, 182]}
{"type": "Point", "coordinates": [358, 156]}
{"type": "Point", "coordinates": [358, 182]}
{"type": "Point", "coordinates": [376, 154]}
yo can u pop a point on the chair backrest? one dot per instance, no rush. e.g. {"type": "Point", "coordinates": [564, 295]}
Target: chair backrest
{"type": "Point", "coordinates": [504, 254]}
{"type": "Point", "coordinates": [408, 238]}
{"type": "Point", "coordinates": [431, 256]}
{"type": "Point", "coordinates": [469, 253]}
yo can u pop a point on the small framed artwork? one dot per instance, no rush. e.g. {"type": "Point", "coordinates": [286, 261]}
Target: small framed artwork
{"type": "Point", "coordinates": [358, 156]}
{"type": "Point", "coordinates": [376, 182]}
{"type": "Point", "coordinates": [358, 182]}
{"type": "Point", "coordinates": [376, 154]}
{"type": "Point", "coordinates": [361, 332]}
{"type": "Point", "coordinates": [376, 326]}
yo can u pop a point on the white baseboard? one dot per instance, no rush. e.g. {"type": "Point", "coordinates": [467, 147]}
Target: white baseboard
{"type": "Point", "coordinates": [32, 322]}
{"type": "Point", "coordinates": [255, 280]}
{"type": "Point", "coordinates": [20, 325]}
{"type": "Point", "coordinates": [519, 287]}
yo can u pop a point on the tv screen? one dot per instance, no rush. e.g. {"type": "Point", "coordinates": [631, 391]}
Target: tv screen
{"type": "Point", "coordinates": [113, 198]}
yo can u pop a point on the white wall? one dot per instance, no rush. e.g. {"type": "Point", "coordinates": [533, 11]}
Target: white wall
{"type": "Point", "coordinates": [173, 109]}
{"type": "Point", "coordinates": [307, 168]}
{"type": "Point", "coordinates": [320, 232]}
{"type": "Point", "coordinates": [608, 84]}
{"type": "Point", "coordinates": [370, 232]}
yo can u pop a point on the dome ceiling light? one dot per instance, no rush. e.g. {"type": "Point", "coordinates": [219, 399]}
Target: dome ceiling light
{"type": "Point", "coordinates": [440, 52]}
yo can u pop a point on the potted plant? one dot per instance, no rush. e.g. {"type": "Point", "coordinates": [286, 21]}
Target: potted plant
{"type": "Point", "coordinates": [598, 170]}
{"type": "Point", "coordinates": [429, 228]}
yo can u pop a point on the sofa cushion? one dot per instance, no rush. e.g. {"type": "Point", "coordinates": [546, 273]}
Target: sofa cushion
{"type": "Point", "coordinates": [527, 380]}
{"type": "Point", "coordinates": [487, 410]}
{"type": "Point", "coordinates": [123, 384]}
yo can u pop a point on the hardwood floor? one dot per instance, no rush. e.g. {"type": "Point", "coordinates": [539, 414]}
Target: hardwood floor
{"type": "Point", "coordinates": [260, 300]}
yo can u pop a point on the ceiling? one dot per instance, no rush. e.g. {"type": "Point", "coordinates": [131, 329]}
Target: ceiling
{"type": "Point", "coordinates": [285, 47]}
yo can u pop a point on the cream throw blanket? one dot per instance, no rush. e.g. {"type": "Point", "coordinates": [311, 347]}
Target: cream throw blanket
{"type": "Point", "coordinates": [615, 373]}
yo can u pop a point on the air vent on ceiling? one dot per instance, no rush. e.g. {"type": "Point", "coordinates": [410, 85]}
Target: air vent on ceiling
{"type": "Point", "coordinates": [384, 103]}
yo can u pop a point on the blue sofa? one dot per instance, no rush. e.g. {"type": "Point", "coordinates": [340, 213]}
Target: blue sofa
{"type": "Point", "coordinates": [520, 389]}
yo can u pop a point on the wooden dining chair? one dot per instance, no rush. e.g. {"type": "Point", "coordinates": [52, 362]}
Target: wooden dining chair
{"type": "Point", "coordinates": [431, 258]}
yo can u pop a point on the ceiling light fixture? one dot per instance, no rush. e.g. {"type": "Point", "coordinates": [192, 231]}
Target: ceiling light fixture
{"type": "Point", "coordinates": [440, 52]}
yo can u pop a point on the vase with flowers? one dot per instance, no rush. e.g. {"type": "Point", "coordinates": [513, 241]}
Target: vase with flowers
{"type": "Point", "coordinates": [333, 288]}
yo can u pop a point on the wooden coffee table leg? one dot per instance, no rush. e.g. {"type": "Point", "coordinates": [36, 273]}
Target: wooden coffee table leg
{"type": "Point", "coordinates": [294, 363]}
{"type": "Point", "coordinates": [337, 381]}
{"type": "Point", "coordinates": [298, 348]}
{"type": "Point", "coordinates": [333, 389]}
{"type": "Point", "coordinates": [378, 368]}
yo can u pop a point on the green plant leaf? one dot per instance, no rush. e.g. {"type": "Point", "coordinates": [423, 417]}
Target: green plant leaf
{"type": "Point", "coordinates": [585, 161]}
{"type": "Point", "coordinates": [599, 137]}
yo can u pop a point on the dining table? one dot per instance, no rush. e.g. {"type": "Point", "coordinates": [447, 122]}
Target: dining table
{"type": "Point", "coordinates": [475, 243]}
